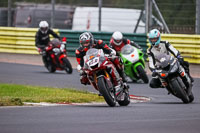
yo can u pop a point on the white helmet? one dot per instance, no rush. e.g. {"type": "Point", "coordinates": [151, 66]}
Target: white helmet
{"type": "Point", "coordinates": [44, 27]}
{"type": "Point", "coordinates": [117, 38]}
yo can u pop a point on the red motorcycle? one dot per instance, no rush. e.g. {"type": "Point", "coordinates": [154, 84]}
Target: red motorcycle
{"type": "Point", "coordinates": [99, 69]}
{"type": "Point", "coordinates": [55, 56]}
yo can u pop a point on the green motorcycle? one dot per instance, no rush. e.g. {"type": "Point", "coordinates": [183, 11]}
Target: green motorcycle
{"type": "Point", "coordinates": [134, 63]}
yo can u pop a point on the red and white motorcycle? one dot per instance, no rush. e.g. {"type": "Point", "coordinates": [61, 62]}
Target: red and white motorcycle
{"type": "Point", "coordinates": [99, 69]}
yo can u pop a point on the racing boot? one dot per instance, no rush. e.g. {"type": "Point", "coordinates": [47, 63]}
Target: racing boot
{"type": "Point", "coordinates": [123, 76]}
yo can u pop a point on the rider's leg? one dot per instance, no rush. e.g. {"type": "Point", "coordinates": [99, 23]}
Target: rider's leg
{"type": "Point", "coordinates": [116, 79]}
{"type": "Point", "coordinates": [187, 70]}
{"type": "Point", "coordinates": [155, 82]}
{"type": "Point", "coordinates": [120, 68]}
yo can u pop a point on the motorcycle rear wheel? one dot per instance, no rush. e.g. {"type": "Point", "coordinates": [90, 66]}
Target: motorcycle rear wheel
{"type": "Point", "coordinates": [107, 93]}
{"type": "Point", "coordinates": [142, 74]}
{"type": "Point", "coordinates": [68, 66]}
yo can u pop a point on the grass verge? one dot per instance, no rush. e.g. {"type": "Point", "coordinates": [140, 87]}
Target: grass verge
{"type": "Point", "coordinates": [12, 95]}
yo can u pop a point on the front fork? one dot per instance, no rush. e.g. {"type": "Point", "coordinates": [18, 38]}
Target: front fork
{"type": "Point", "coordinates": [93, 78]}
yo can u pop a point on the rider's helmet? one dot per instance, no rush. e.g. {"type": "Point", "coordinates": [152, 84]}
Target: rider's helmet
{"type": "Point", "coordinates": [86, 39]}
{"type": "Point", "coordinates": [154, 37]}
{"type": "Point", "coordinates": [117, 38]}
{"type": "Point", "coordinates": [44, 27]}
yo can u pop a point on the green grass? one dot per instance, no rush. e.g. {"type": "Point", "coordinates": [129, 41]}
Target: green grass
{"type": "Point", "coordinates": [12, 94]}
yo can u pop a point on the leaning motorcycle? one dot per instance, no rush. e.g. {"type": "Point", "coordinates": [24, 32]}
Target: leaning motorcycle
{"type": "Point", "coordinates": [98, 68]}
{"type": "Point", "coordinates": [56, 56]}
{"type": "Point", "coordinates": [174, 78]}
{"type": "Point", "coordinates": [134, 64]}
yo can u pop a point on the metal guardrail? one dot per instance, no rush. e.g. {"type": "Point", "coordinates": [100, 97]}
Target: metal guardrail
{"type": "Point", "coordinates": [18, 40]}
{"type": "Point", "coordinates": [22, 40]}
{"type": "Point", "coordinates": [188, 45]}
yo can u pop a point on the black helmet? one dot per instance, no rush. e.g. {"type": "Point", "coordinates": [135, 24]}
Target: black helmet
{"type": "Point", "coordinates": [86, 39]}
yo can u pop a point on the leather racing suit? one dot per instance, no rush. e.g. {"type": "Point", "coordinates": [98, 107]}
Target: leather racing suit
{"type": "Point", "coordinates": [163, 47]}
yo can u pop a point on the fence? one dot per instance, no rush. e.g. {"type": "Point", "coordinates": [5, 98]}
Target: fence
{"type": "Point", "coordinates": [188, 45]}
{"type": "Point", "coordinates": [22, 40]}
{"type": "Point", "coordinates": [18, 40]}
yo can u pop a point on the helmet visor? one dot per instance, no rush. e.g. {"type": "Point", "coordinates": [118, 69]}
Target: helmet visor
{"type": "Point", "coordinates": [117, 41]}
{"type": "Point", "coordinates": [85, 43]}
{"type": "Point", "coordinates": [43, 29]}
{"type": "Point", "coordinates": [154, 40]}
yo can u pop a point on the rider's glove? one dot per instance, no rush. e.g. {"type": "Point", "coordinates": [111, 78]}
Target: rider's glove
{"type": "Point", "coordinates": [79, 68]}
{"type": "Point", "coordinates": [153, 72]}
{"type": "Point", "coordinates": [62, 47]}
{"type": "Point", "coordinates": [113, 52]}
{"type": "Point", "coordinates": [180, 59]}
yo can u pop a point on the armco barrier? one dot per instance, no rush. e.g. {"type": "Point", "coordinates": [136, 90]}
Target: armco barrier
{"type": "Point", "coordinates": [22, 40]}
{"type": "Point", "coordinates": [188, 45]}
{"type": "Point", "coordinates": [73, 39]}
{"type": "Point", "coordinates": [18, 40]}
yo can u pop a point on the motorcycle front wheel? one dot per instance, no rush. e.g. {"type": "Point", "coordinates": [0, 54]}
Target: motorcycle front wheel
{"type": "Point", "coordinates": [142, 74]}
{"type": "Point", "coordinates": [68, 66]}
{"type": "Point", "coordinates": [48, 64]}
{"type": "Point", "coordinates": [107, 93]}
{"type": "Point", "coordinates": [178, 90]}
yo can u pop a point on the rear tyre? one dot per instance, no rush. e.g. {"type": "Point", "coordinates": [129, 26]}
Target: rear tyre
{"type": "Point", "coordinates": [68, 66]}
{"type": "Point", "coordinates": [126, 100]}
{"type": "Point", "coordinates": [142, 74]}
{"type": "Point", "coordinates": [107, 93]}
{"type": "Point", "coordinates": [179, 91]}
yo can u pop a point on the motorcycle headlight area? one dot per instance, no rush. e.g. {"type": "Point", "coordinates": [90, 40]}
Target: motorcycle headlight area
{"type": "Point", "coordinates": [93, 63]}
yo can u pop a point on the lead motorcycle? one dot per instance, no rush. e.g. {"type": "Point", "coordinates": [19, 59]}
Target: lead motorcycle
{"type": "Point", "coordinates": [56, 56]}
{"type": "Point", "coordinates": [98, 68]}
{"type": "Point", "coordinates": [174, 78]}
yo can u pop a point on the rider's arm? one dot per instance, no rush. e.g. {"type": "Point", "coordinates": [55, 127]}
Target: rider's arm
{"type": "Point", "coordinates": [37, 41]}
{"type": "Point", "coordinates": [135, 45]}
{"type": "Point", "coordinates": [104, 46]}
{"type": "Point", "coordinates": [53, 34]}
{"type": "Point", "coordinates": [151, 60]}
{"type": "Point", "coordinates": [79, 58]}
{"type": "Point", "coordinates": [171, 49]}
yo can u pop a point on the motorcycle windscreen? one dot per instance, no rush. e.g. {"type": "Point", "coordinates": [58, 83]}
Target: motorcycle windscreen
{"type": "Point", "coordinates": [163, 60]}
{"type": "Point", "coordinates": [127, 49]}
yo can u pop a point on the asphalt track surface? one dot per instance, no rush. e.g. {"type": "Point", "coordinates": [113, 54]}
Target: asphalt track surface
{"type": "Point", "coordinates": [163, 114]}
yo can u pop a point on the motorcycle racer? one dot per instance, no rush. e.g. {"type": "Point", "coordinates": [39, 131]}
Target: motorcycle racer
{"type": "Point", "coordinates": [42, 38]}
{"type": "Point", "coordinates": [117, 41]}
{"type": "Point", "coordinates": [157, 47]}
{"type": "Point", "coordinates": [87, 41]}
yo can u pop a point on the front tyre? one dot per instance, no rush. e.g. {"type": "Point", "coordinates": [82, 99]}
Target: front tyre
{"type": "Point", "coordinates": [191, 97]}
{"type": "Point", "coordinates": [107, 93]}
{"type": "Point", "coordinates": [48, 64]}
{"type": "Point", "coordinates": [178, 90]}
{"type": "Point", "coordinates": [68, 66]}
{"type": "Point", "coordinates": [142, 74]}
